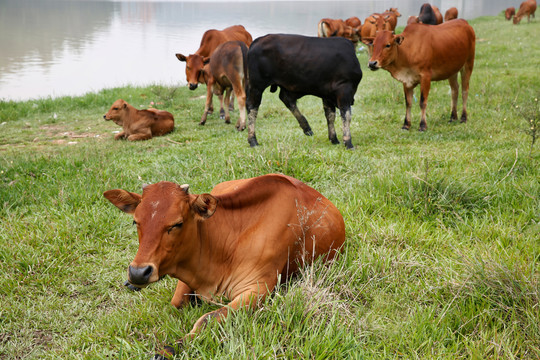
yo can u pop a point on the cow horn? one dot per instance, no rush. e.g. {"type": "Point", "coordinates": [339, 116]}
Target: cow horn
{"type": "Point", "coordinates": [185, 187]}
{"type": "Point", "coordinates": [144, 186]}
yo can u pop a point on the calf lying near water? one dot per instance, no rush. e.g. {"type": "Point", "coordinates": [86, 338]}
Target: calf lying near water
{"type": "Point", "coordinates": [139, 124]}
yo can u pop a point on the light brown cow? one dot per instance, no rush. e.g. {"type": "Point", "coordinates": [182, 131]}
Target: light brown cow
{"type": "Point", "coordinates": [337, 27]}
{"type": "Point", "coordinates": [425, 53]}
{"type": "Point", "coordinates": [527, 8]}
{"type": "Point", "coordinates": [373, 24]}
{"type": "Point", "coordinates": [228, 72]}
{"type": "Point", "coordinates": [413, 19]}
{"type": "Point", "coordinates": [235, 243]}
{"type": "Point", "coordinates": [139, 124]}
{"type": "Point", "coordinates": [451, 14]}
{"type": "Point", "coordinates": [438, 14]}
{"type": "Point", "coordinates": [354, 22]}
{"type": "Point", "coordinates": [509, 13]}
{"type": "Point", "coordinates": [195, 70]}
{"type": "Point", "coordinates": [393, 14]}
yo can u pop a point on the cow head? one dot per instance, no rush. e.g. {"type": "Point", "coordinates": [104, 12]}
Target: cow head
{"type": "Point", "coordinates": [166, 216]}
{"type": "Point", "coordinates": [395, 11]}
{"type": "Point", "coordinates": [509, 12]}
{"type": "Point", "coordinates": [384, 49]}
{"type": "Point", "coordinates": [116, 112]}
{"type": "Point", "coordinates": [377, 23]}
{"type": "Point", "coordinates": [195, 69]}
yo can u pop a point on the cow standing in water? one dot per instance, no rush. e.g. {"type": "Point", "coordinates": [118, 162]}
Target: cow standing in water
{"type": "Point", "coordinates": [302, 65]}
{"type": "Point", "coordinates": [197, 72]}
{"type": "Point", "coordinates": [425, 53]}
{"type": "Point", "coordinates": [236, 242]}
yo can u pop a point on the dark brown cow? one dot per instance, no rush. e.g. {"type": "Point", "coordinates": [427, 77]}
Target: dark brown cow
{"type": "Point", "coordinates": [372, 24]}
{"type": "Point", "coordinates": [425, 53]}
{"type": "Point", "coordinates": [337, 27]}
{"type": "Point", "coordinates": [139, 124]}
{"type": "Point", "coordinates": [195, 67]}
{"type": "Point", "coordinates": [527, 8]}
{"type": "Point", "coordinates": [236, 242]}
{"type": "Point", "coordinates": [228, 71]}
{"type": "Point", "coordinates": [509, 13]}
{"type": "Point", "coordinates": [451, 14]}
{"type": "Point", "coordinates": [427, 15]}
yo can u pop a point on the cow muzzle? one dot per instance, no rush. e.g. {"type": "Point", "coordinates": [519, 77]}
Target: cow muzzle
{"type": "Point", "coordinates": [140, 276]}
{"type": "Point", "coordinates": [192, 86]}
{"type": "Point", "coordinates": [374, 65]}
{"type": "Point", "coordinates": [105, 117]}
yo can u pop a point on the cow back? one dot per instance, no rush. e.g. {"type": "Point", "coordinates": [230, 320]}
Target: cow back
{"type": "Point", "coordinates": [213, 38]}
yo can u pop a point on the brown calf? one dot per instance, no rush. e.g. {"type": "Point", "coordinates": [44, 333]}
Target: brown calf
{"type": "Point", "coordinates": [228, 72]}
{"type": "Point", "coordinates": [139, 124]}
{"type": "Point", "coordinates": [509, 13]}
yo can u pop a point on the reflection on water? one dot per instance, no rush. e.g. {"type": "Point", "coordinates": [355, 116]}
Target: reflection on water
{"type": "Point", "coordinates": [62, 47]}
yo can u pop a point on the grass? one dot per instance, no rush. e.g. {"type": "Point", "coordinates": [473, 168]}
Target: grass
{"type": "Point", "coordinates": [443, 248]}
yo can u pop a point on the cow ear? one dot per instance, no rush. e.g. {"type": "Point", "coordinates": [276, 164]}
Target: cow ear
{"type": "Point", "coordinates": [204, 206]}
{"type": "Point", "coordinates": [399, 39]}
{"type": "Point", "coordinates": [181, 57]}
{"type": "Point", "coordinates": [124, 200]}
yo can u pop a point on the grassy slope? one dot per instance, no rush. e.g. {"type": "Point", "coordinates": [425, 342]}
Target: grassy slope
{"type": "Point", "coordinates": [443, 244]}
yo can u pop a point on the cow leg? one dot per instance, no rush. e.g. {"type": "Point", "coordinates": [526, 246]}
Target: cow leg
{"type": "Point", "coordinates": [226, 99]}
{"type": "Point", "coordinates": [231, 102]}
{"type": "Point", "coordinates": [182, 295]}
{"type": "Point", "coordinates": [221, 109]}
{"type": "Point", "coordinates": [142, 135]}
{"type": "Point", "coordinates": [330, 113]}
{"type": "Point", "coordinates": [346, 116]}
{"type": "Point", "coordinates": [454, 87]}
{"type": "Point", "coordinates": [425, 84]}
{"type": "Point", "coordinates": [465, 77]}
{"type": "Point", "coordinates": [290, 102]}
{"type": "Point", "coordinates": [408, 104]}
{"type": "Point", "coordinates": [208, 109]}
{"type": "Point", "coordinates": [241, 98]}
{"type": "Point", "coordinates": [253, 103]}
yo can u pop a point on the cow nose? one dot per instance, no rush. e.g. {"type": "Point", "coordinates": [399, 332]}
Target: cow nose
{"type": "Point", "coordinates": [105, 117]}
{"type": "Point", "coordinates": [139, 275]}
{"type": "Point", "coordinates": [192, 86]}
{"type": "Point", "coordinates": [373, 65]}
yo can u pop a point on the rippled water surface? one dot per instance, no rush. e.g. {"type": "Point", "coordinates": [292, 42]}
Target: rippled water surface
{"type": "Point", "coordinates": [70, 47]}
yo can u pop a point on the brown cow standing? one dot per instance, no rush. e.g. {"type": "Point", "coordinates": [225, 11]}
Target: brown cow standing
{"type": "Point", "coordinates": [337, 27]}
{"type": "Point", "coordinates": [236, 242]}
{"type": "Point", "coordinates": [509, 13]}
{"type": "Point", "coordinates": [438, 14]}
{"type": "Point", "coordinates": [228, 71]}
{"type": "Point", "coordinates": [527, 8]}
{"type": "Point", "coordinates": [391, 16]}
{"type": "Point", "coordinates": [451, 14]}
{"type": "Point", "coordinates": [425, 53]}
{"type": "Point", "coordinates": [354, 22]}
{"type": "Point", "coordinates": [139, 124]}
{"type": "Point", "coordinates": [373, 24]}
{"type": "Point", "coordinates": [195, 70]}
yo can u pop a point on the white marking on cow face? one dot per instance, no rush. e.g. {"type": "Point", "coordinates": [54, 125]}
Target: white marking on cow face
{"type": "Point", "coordinates": [154, 206]}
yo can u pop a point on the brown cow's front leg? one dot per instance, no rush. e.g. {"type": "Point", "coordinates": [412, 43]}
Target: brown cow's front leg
{"type": "Point", "coordinates": [330, 114]}
{"type": "Point", "coordinates": [425, 85]}
{"type": "Point", "coordinates": [208, 105]}
{"type": "Point", "coordinates": [241, 98]}
{"type": "Point", "coordinates": [465, 77]}
{"type": "Point", "coordinates": [454, 87]}
{"type": "Point", "coordinates": [145, 134]}
{"type": "Point", "coordinates": [120, 135]}
{"type": "Point", "coordinates": [408, 104]}
{"type": "Point", "coordinates": [181, 295]}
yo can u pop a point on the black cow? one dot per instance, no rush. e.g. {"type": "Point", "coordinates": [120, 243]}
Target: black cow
{"type": "Point", "coordinates": [301, 65]}
{"type": "Point", "coordinates": [427, 15]}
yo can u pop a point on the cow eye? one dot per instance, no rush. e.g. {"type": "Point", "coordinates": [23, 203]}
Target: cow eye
{"type": "Point", "coordinates": [388, 45]}
{"type": "Point", "coordinates": [115, 108]}
{"type": "Point", "coordinates": [179, 225]}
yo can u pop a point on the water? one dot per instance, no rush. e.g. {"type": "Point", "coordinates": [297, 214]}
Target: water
{"type": "Point", "coordinates": [53, 48]}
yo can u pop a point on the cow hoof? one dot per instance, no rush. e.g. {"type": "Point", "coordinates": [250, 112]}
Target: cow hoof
{"type": "Point", "coordinates": [202, 123]}
{"type": "Point", "coordinates": [222, 114]}
{"type": "Point", "coordinates": [463, 118]}
{"type": "Point", "coordinates": [334, 141]}
{"type": "Point", "coordinates": [227, 121]}
{"type": "Point", "coordinates": [349, 145]}
{"type": "Point", "coordinates": [405, 127]}
{"type": "Point", "coordinates": [167, 353]}
{"type": "Point", "coordinates": [308, 132]}
{"type": "Point", "coordinates": [422, 128]}
{"type": "Point", "coordinates": [131, 287]}
{"type": "Point", "coordinates": [253, 142]}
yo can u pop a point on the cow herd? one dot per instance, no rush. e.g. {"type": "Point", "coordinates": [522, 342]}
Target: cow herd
{"type": "Point", "coordinates": [239, 240]}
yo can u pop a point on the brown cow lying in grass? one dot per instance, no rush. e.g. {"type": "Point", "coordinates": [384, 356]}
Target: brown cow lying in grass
{"type": "Point", "coordinates": [139, 124]}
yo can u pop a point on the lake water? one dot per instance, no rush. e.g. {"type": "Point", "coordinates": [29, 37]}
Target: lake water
{"type": "Point", "coordinates": [71, 47]}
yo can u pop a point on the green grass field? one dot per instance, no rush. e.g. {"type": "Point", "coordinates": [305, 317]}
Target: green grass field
{"type": "Point", "coordinates": [442, 257]}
